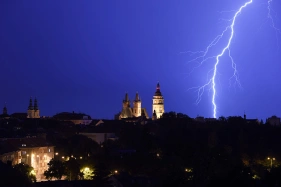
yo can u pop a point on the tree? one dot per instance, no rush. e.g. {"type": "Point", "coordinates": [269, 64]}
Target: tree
{"type": "Point", "coordinates": [8, 174]}
{"type": "Point", "coordinates": [101, 174]}
{"type": "Point", "coordinates": [56, 169]}
{"type": "Point", "coordinates": [222, 119]}
{"type": "Point", "coordinates": [181, 115]}
{"type": "Point", "coordinates": [26, 170]}
{"type": "Point", "coordinates": [88, 173]}
{"type": "Point", "coordinates": [169, 115]}
{"type": "Point", "coordinates": [73, 170]}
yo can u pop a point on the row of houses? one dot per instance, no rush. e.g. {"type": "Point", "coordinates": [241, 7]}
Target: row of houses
{"type": "Point", "coordinates": [37, 152]}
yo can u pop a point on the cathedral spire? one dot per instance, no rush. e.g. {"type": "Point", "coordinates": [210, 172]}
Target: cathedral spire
{"type": "Point", "coordinates": [158, 92]}
{"type": "Point", "coordinates": [126, 101]}
{"type": "Point", "coordinates": [137, 97]}
{"type": "Point", "coordinates": [126, 97]}
{"type": "Point", "coordinates": [35, 104]}
{"type": "Point", "coordinates": [158, 86]}
{"type": "Point", "coordinates": [30, 107]}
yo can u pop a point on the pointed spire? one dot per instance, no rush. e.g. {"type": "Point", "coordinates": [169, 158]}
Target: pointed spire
{"type": "Point", "coordinates": [158, 86]}
{"type": "Point", "coordinates": [30, 107]}
{"type": "Point", "coordinates": [126, 97]}
{"type": "Point", "coordinates": [137, 97]}
{"type": "Point", "coordinates": [35, 104]}
{"type": "Point", "coordinates": [158, 92]}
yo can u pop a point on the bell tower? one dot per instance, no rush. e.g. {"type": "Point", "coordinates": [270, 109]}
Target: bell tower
{"type": "Point", "coordinates": [36, 109]}
{"type": "Point", "coordinates": [158, 102]}
{"type": "Point", "coordinates": [126, 102]}
{"type": "Point", "coordinates": [30, 110]}
{"type": "Point", "coordinates": [137, 106]}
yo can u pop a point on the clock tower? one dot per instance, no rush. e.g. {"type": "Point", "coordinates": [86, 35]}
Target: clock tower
{"type": "Point", "coordinates": [158, 102]}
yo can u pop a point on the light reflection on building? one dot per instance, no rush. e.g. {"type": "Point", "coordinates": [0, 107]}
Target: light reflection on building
{"type": "Point", "coordinates": [35, 152]}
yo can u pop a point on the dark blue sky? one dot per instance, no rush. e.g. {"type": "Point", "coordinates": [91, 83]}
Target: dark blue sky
{"type": "Point", "coordinates": [84, 55]}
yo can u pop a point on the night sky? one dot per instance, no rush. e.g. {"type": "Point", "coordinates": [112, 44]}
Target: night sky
{"type": "Point", "coordinates": [83, 56]}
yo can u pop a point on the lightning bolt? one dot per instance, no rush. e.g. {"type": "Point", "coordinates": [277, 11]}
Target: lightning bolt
{"type": "Point", "coordinates": [272, 24]}
{"type": "Point", "coordinates": [211, 82]}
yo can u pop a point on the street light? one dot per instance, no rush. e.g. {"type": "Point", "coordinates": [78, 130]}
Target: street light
{"type": "Point", "coordinates": [271, 159]}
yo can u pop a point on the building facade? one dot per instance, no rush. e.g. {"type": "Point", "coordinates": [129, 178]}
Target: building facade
{"type": "Point", "coordinates": [35, 152]}
{"type": "Point", "coordinates": [137, 111]}
{"type": "Point", "coordinates": [75, 118]}
{"type": "Point", "coordinates": [132, 112]}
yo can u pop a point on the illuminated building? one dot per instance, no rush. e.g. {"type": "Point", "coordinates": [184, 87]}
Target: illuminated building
{"type": "Point", "coordinates": [158, 103]}
{"type": "Point", "coordinates": [35, 152]}
{"type": "Point", "coordinates": [135, 112]}
{"type": "Point", "coordinates": [33, 111]}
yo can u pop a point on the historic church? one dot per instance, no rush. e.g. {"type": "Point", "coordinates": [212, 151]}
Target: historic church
{"type": "Point", "coordinates": [33, 110]}
{"type": "Point", "coordinates": [137, 111]}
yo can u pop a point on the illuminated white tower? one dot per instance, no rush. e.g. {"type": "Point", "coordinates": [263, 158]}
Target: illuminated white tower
{"type": "Point", "coordinates": [158, 103]}
{"type": "Point", "coordinates": [137, 106]}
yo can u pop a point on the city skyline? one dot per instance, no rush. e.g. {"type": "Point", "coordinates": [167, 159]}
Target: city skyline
{"type": "Point", "coordinates": [85, 56]}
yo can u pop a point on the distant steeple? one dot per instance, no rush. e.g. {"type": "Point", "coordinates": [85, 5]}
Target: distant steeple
{"type": "Point", "coordinates": [137, 97]}
{"type": "Point", "coordinates": [244, 115]}
{"type": "Point", "coordinates": [5, 111]}
{"type": "Point", "coordinates": [158, 92]}
{"type": "Point", "coordinates": [30, 107]}
{"type": "Point", "coordinates": [126, 101]}
{"type": "Point", "coordinates": [35, 104]}
{"type": "Point", "coordinates": [126, 97]}
{"type": "Point", "coordinates": [158, 86]}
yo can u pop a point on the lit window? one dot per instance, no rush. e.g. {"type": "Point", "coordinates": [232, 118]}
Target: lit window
{"type": "Point", "coordinates": [49, 150]}
{"type": "Point", "coordinates": [23, 145]}
{"type": "Point", "coordinates": [23, 152]}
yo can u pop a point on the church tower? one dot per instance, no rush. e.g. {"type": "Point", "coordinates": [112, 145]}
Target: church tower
{"type": "Point", "coordinates": [137, 106]}
{"type": "Point", "coordinates": [126, 102]}
{"type": "Point", "coordinates": [36, 109]}
{"type": "Point", "coordinates": [30, 110]}
{"type": "Point", "coordinates": [158, 102]}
